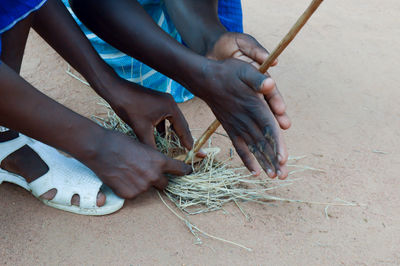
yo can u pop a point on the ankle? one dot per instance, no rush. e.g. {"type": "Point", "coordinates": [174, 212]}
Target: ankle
{"type": "Point", "coordinates": [25, 162]}
{"type": "Point", "coordinates": [7, 134]}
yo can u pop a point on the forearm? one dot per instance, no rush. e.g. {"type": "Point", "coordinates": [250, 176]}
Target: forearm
{"type": "Point", "coordinates": [56, 26]}
{"type": "Point", "coordinates": [125, 25]}
{"type": "Point", "coordinates": [197, 22]}
{"type": "Point", "coordinates": [25, 109]}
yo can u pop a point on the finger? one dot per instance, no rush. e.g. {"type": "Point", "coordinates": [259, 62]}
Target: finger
{"type": "Point", "coordinates": [161, 128]}
{"type": "Point", "coordinates": [244, 153]}
{"type": "Point", "coordinates": [252, 48]}
{"type": "Point", "coordinates": [265, 159]}
{"type": "Point", "coordinates": [270, 148]}
{"type": "Point", "coordinates": [278, 107]}
{"type": "Point", "coordinates": [283, 154]}
{"type": "Point", "coordinates": [268, 86]}
{"type": "Point", "coordinates": [265, 122]}
{"type": "Point", "coordinates": [264, 149]}
{"type": "Point", "coordinates": [246, 59]}
{"type": "Point", "coordinates": [276, 101]}
{"type": "Point", "coordinates": [280, 150]}
{"type": "Point", "coordinates": [161, 183]}
{"type": "Point", "coordinates": [145, 134]}
{"type": "Point", "coordinates": [254, 79]}
{"type": "Point", "coordinates": [283, 172]}
{"type": "Point", "coordinates": [201, 154]}
{"type": "Point", "coordinates": [175, 167]}
{"type": "Point", "coordinates": [283, 121]}
{"type": "Point", "coordinates": [181, 128]}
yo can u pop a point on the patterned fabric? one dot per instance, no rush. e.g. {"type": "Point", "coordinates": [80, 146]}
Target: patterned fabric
{"type": "Point", "coordinates": [13, 11]}
{"type": "Point", "coordinates": [230, 12]}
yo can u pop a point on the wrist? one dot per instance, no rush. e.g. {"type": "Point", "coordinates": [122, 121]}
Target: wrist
{"type": "Point", "coordinates": [211, 37]}
{"type": "Point", "coordinates": [200, 80]}
{"type": "Point", "coordinates": [88, 142]}
{"type": "Point", "coordinates": [104, 82]}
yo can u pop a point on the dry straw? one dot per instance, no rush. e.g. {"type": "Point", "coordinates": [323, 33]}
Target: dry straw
{"type": "Point", "coordinates": [213, 183]}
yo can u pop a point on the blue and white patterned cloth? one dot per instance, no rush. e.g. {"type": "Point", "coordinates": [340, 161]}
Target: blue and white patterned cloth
{"type": "Point", "coordinates": [13, 11]}
{"type": "Point", "coordinates": [230, 13]}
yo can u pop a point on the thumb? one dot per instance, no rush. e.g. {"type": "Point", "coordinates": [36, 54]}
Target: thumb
{"type": "Point", "coordinates": [253, 78]}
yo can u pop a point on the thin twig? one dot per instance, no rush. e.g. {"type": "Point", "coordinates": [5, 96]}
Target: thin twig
{"type": "Point", "coordinates": [187, 222]}
{"type": "Point", "coordinates": [267, 64]}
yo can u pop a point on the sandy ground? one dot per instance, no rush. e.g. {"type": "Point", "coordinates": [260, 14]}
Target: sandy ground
{"type": "Point", "coordinates": [340, 80]}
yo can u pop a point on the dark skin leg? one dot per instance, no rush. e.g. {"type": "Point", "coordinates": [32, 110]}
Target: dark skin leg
{"type": "Point", "coordinates": [25, 162]}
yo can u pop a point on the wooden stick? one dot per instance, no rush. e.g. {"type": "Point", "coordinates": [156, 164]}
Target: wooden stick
{"type": "Point", "coordinates": [290, 35]}
{"type": "Point", "coordinates": [264, 67]}
{"type": "Point", "coordinates": [202, 140]}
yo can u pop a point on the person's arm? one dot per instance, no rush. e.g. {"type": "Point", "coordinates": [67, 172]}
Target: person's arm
{"type": "Point", "coordinates": [229, 87]}
{"type": "Point", "coordinates": [199, 25]}
{"type": "Point", "coordinates": [130, 101]}
{"type": "Point", "coordinates": [125, 165]}
{"type": "Point", "coordinates": [197, 22]}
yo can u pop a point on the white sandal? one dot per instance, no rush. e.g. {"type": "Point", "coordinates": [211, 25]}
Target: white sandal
{"type": "Point", "coordinates": [67, 175]}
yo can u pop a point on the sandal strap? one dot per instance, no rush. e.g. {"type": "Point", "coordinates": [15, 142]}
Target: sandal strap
{"type": "Point", "coordinates": [68, 176]}
{"type": "Point", "coordinates": [8, 147]}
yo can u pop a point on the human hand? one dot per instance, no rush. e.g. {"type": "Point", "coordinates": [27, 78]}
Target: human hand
{"type": "Point", "coordinates": [129, 167]}
{"type": "Point", "coordinates": [143, 109]}
{"type": "Point", "coordinates": [233, 90]}
{"type": "Point", "coordinates": [244, 47]}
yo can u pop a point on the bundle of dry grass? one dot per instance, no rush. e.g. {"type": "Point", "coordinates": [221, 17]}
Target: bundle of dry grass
{"type": "Point", "coordinates": [211, 184]}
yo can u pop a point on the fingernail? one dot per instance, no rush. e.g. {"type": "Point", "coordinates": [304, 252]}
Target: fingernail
{"type": "Point", "coordinates": [256, 172]}
{"type": "Point", "coordinates": [270, 173]}
{"type": "Point", "coordinates": [269, 82]}
{"type": "Point", "coordinates": [201, 153]}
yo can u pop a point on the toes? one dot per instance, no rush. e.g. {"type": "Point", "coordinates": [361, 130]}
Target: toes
{"type": "Point", "coordinates": [75, 200]}
{"type": "Point", "coordinates": [49, 195]}
{"type": "Point", "coordinates": [101, 199]}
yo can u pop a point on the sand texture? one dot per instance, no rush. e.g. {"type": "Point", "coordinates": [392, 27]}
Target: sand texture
{"type": "Point", "coordinates": [340, 79]}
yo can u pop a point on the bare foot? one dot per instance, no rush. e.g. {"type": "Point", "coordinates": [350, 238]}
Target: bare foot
{"type": "Point", "coordinates": [27, 163]}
